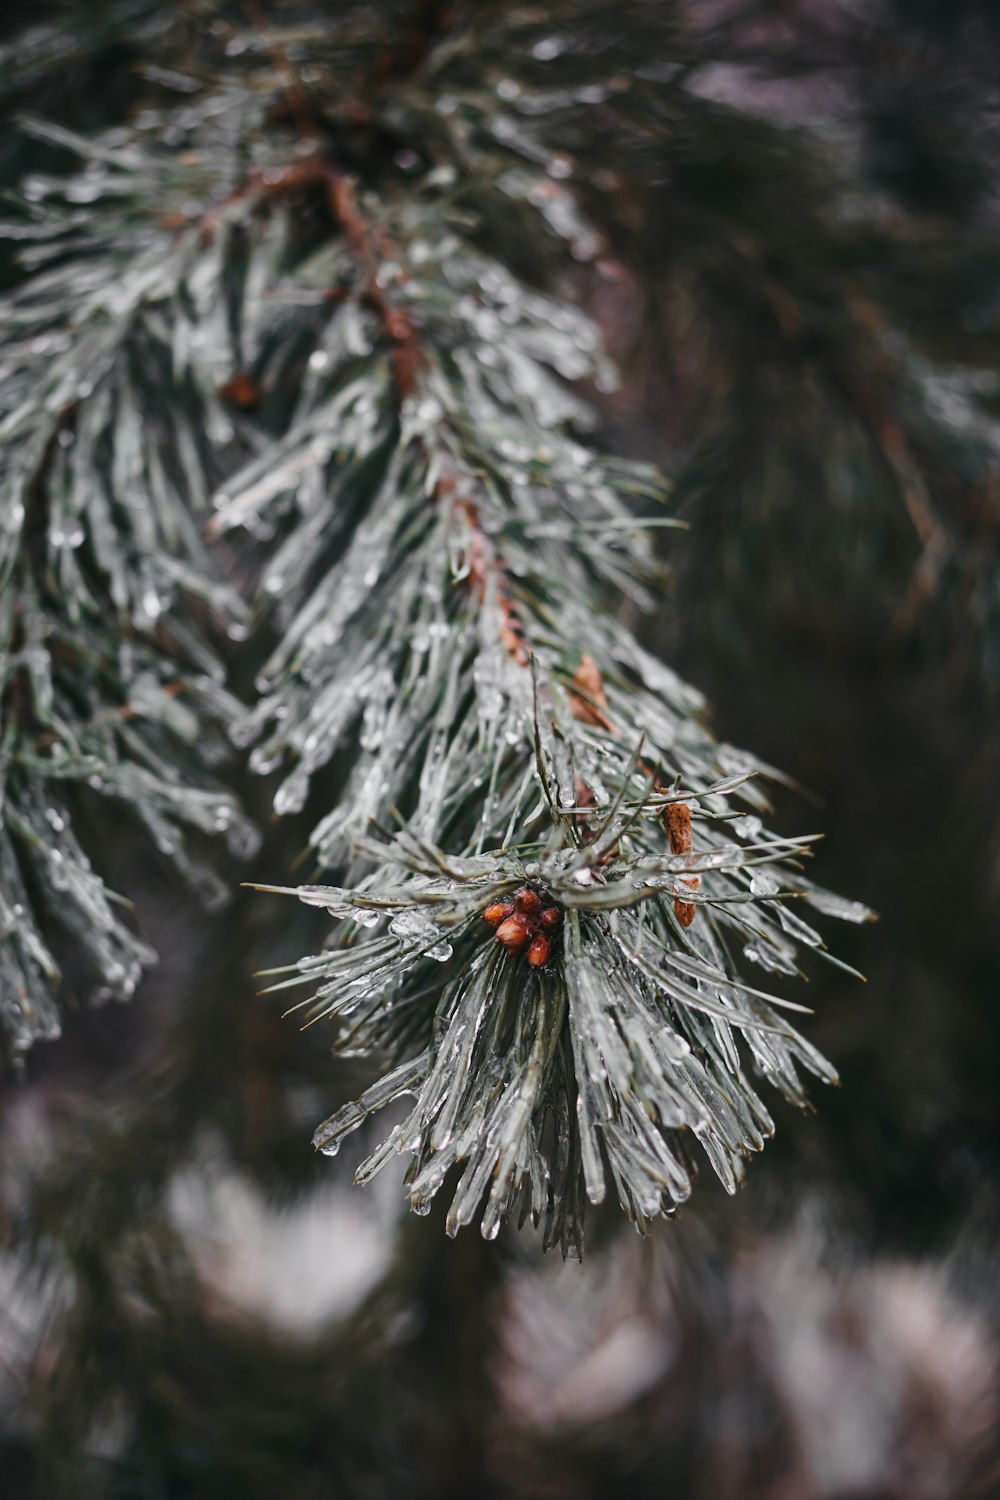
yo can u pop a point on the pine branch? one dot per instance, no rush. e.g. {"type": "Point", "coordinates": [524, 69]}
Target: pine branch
{"type": "Point", "coordinates": [368, 382]}
{"type": "Point", "coordinates": [111, 682]}
{"type": "Point", "coordinates": [444, 605]}
{"type": "Point", "coordinates": [621, 1020]}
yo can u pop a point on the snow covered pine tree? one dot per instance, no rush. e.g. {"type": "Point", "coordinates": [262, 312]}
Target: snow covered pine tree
{"type": "Point", "coordinates": [294, 304]}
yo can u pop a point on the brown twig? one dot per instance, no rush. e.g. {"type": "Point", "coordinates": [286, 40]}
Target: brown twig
{"type": "Point", "coordinates": [588, 702]}
{"type": "Point", "coordinates": [484, 564]}
{"type": "Point", "coordinates": [371, 247]}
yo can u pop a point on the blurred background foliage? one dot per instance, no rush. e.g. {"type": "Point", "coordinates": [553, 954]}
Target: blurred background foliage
{"type": "Point", "coordinates": [797, 274]}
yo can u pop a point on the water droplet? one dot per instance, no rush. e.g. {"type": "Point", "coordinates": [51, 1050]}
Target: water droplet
{"type": "Point", "coordinates": [364, 917]}
{"type": "Point", "coordinates": [152, 604]}
{"type": "Point", "coordinates": [411, 926]}
{"type": "Point", "coordinates": [291, 794]}
{"type": "Point", "coordinates": [263, 762]}
{"type": "Point", "coordinates": [325, 896]}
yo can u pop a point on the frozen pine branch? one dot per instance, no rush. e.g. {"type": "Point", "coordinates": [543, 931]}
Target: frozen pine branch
{"type": "Point", "coordinates": [313, 274]}
{"type": "Point", "coordinates": [444, 597]}
{"type": "Point", "coordinates": [304, 325]}
{"type": "Point", "coordinates": [111, 438]}
{"type": "Point", "coordinates": [623, 1040]}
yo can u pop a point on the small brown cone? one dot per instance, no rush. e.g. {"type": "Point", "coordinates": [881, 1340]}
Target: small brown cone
{"type": "Point", "coordinates": [528, 902]}
{"type": "Point", "coordinates": [539, 951]}
{"type": "Point", "coordinates": [513, 934]}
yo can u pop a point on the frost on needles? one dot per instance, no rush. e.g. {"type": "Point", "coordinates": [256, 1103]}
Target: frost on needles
{"type": "Point", "coordinates": [558, 908]}
{"type": "Point", "coordinates": [114, 691]}
{"type": "Point", "coordinates": [446, 594]}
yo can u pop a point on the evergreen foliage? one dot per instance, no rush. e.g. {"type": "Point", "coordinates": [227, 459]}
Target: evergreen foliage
{"type": "Point", "coordinates": [384, 403]}
{"type": "Point", "coordinates": [307, 472]}
{"type": "Point", "coordinates": [112, 681]}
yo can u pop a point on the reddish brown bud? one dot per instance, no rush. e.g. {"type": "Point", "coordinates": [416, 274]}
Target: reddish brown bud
{"type": "Point", "coordinates": [550, 919]}
{"type": "Point", "coordinates": [677, 822]}
{"type": "Point", "coordinates": [528, 902]}
{"type": "Point", "coordinates": [240, 390]}
{"type": "Point", "coordinates": [498, 912]}
{"type": "Point", "coordinates": [513, 934]}
{"type": "Point", "coordinates": [539, 951]}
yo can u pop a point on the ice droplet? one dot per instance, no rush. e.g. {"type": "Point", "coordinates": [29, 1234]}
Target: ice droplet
{"type": "Point", "coordinates": [364, 917]}
{"type": "Point", "coordinates": [759, 955]}
{"type": "Point", "coordinates": [414, 927]}
{"type": "Point", "coordinates": [748, 827]}
{"type": "Point", "coordinates": [838, 906]}
{"type": "Point", "coordinates": [411, 926]}
{"type": "Point", "coordinates": [152, 604]}
{"type": "Point", "coordinates": [291, 795]}
{"type": "Point", "coordinates": [325, 896]}
{"type": "Point", "coordinates": [71, 539]}
{"type": "Point", "coordinates": [262, 763]}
